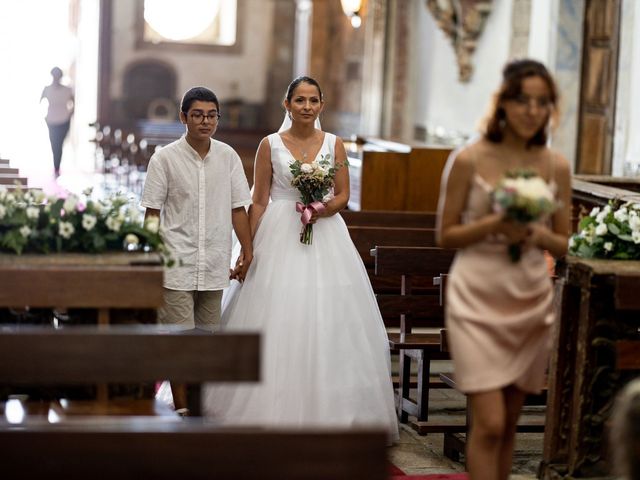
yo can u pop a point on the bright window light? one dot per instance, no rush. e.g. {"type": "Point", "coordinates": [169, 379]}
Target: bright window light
{"type": "Point", "coordinates": [180, 20]}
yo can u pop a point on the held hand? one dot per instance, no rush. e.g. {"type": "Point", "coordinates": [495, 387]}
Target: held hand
{"type": "Point", "coordinates": [316, 215]}
{"type": "Point", "coordinates": [537, 235]}
{"type": "Point", "coordinates": [313, 212]}
{"type": "Point", "coordinates": [514, 232]}
{"type": "Point", "coordinates": [242, 266]}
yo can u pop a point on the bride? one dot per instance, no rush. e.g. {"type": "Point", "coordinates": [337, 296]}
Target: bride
{"type": "Point", "coordinates": [325, 359]}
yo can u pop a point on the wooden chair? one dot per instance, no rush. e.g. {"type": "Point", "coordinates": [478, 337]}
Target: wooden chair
{"type": "Point", "coordinates": [409, 263]}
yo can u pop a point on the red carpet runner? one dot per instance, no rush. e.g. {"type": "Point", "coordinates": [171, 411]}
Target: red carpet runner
{"type": "Point", "coordinates": [396, 474]}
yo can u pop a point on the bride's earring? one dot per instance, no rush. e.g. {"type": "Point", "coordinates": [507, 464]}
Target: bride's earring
{"type": "Point", "coordinates": [289, 115]}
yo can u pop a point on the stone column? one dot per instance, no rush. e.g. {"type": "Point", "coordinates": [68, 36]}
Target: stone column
{"type": "Point", "coordinates": [520, 28]}
{"type": "Point", "coordinates": [280, 70]}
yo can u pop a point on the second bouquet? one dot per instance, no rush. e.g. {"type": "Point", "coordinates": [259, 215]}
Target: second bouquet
{"type": "Point", "coordinates": [523, 197]}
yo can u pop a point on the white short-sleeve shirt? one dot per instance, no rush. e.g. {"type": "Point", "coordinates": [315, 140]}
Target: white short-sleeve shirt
{"type": "Point", "coordinates": [195, 197]}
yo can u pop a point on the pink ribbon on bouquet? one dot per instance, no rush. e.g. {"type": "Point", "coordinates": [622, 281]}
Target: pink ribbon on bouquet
{"type": "Point", "coordinates": [307, 210]}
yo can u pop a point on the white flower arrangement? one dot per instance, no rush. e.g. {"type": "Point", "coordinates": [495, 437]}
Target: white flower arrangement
{"type": "Point", "coordinates": [612, 231]}
{"type": "Point", "coordinates": [32, 222]}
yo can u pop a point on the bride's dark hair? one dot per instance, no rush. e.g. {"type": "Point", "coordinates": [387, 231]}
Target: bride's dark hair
{"type": "Point", "coordinates": [512, 77]}
{"type": "Point", "coordinates": [297, 81]}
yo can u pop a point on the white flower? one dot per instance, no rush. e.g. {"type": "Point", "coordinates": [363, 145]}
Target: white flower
{"type": "Point", "coordinates": [595, 211]}
{"type": "Point", "coordinates": [38, 196]}
{"type": "Point", "coordinates": [134, 214]}
{"type": "Point", "coordinates": [534, 188]}
{"type": "Point", "coordinates": [3, 211]}
{"type": "Point", "coordinates": [588, 234]}
{"type": "Point", "coordinates": [601, 229]}
{"type": "Point", "coordinates": [33, 212]}
{"type": "Point", "coordinates": [88, 221]}
{"type": "Point", "coordinates": [10, 198]}
{"type": "Point", "coordinates": [572, 242]}
{"type": "Point", "coordinates": [608, 246]}
{"type": "Point", "coordinates": [621, 215]}
{"type": "Point", "coordinates": [601, 216]}
{"type": "Point", "coordinates": [131, 239]}
{"type": "Point", "coordinates": [65, 230]}
{"type": "Point", "coordinates": [25, 231]}
{"type": "Point", "coordinates": [152, 224]}
{"type": "Point", "coordinates": [113, 224]}
{"type": "Point", "coordinates": [327, 198]}
{"type": "Point", "coordinates": [607, 209]}
{"type": "Point", "coordinates": [306, 168]}
{"type": "Point", "coordinates": [634, 223]}
{"type": "Point", "coordinates": [47, 208]}
{"type": "Point", "coordinates": [635, 236]}
{"type": "Point", "coordinates": [70, 203]}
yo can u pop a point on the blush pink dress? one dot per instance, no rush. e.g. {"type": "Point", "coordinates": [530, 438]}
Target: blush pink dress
{"type": "Point", "coordinates": [498, 313]}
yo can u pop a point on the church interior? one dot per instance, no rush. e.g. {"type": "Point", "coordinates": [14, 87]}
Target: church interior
{"type": "Point", "coordinates": [405, 84]}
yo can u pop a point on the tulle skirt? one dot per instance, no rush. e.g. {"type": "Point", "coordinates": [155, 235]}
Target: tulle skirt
{"type": "Point", "coordinates": [325, 356]}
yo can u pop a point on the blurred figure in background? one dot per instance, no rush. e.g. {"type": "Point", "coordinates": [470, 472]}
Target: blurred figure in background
{"type": "Point", "coordinates": [60, 102]}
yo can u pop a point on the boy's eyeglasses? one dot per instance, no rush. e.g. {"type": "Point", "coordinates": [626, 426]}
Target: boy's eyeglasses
{"type": "Point", "coordinates": [199, 117]}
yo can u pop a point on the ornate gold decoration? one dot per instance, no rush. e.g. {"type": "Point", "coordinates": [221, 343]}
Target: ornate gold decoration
{"type": "Point", "coordinates": [462, 21]}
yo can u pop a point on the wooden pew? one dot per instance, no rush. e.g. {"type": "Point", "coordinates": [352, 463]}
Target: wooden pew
{"type": "Point", "coordinates": [120, 354]}
{"type": "Point", "coordinates": [389, 218]}
{"type": "Point", "coordinates": [387, 175]}
{"type": "Point", "coordinates": [11, 179]}
{"type": "Point", "coordinates": [82, 281]}
{"type": "Point", "coordinates": [367, 238]}
{"type": "Point", "coordinates": [628, 355]}
{"type": "Point", "coordinates": [136, 451]}
{"type": "Point", "coordinates": [411, 263]}
{"type": "Point", "coordinates": [39, 444]}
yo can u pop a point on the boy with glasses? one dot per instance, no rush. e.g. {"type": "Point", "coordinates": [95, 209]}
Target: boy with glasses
{"type": "Point", "coordinates": [197, 187]}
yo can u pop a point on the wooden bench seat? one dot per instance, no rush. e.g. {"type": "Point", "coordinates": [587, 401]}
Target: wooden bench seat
{"type": "Point", "coordinates": [86, 355]}
{"type": "Point", "coordinates": [140, 449]}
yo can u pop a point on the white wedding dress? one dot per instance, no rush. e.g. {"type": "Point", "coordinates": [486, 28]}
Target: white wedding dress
{"type": "Point", "coordinates": [325, 356]}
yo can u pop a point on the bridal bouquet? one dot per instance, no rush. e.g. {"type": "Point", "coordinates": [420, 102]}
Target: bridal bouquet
{"type": "Point", "coordinates": [315, 182]}
{"type": "Point", "coordinates": [31, 221]}
{"type": "Point", "coordinates": [612, 231]}
{"type": "Point", "coordinates": [522, 197]}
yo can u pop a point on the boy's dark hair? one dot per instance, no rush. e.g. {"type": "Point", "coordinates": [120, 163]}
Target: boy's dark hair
{"type": "Point", "coordinates": [297, 81]}
{"type": "Point", "coordinates": [202, 94]}
{"type": "Point", "coordinates": [512, 76]}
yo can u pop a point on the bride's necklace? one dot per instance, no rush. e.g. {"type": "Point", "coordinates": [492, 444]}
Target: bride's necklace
{"type": "Point", "coordinates": [298, 143]}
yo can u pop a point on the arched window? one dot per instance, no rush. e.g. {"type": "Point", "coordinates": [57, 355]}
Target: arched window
{"type": "Point", "coordinates": [190, 24]}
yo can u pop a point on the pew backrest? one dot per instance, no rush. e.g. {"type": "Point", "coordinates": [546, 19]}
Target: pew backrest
{"type": "Point", "coordinates": [81, 355]}
{"type": "Point", "coordinates": [143, 450]}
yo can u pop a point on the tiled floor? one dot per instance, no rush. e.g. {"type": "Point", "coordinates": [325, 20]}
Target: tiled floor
{"type": "Point", "coordinates": [422, 454]}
